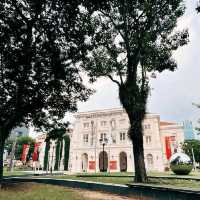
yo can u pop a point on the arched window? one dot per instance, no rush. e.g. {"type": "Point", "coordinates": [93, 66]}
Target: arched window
{"type": "Point", "coordinates": [123, 161]}
{"type": "Point", "coordinates": [103, 161]}
{"type": "Point", "coordinates": [84, 162]}
{"type": "Point", "coordinates": [149, 159]}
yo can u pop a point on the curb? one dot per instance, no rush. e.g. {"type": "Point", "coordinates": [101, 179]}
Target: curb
{"type": "Point", "coordinates": [153, 177]}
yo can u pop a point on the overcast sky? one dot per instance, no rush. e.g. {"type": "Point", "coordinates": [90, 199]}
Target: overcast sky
{"type": "Point", "coordinates": [173, 92]}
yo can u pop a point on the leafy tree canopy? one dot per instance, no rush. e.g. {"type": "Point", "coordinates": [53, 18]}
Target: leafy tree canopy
{"type": "Point", "coordinates": [25, 140]}
{"type": "Point", "coordinates": [19, 146]}
{"type": "Point", "coordinates": [41, 43]}
{"type": "Point", "coordinates": [188, 145]}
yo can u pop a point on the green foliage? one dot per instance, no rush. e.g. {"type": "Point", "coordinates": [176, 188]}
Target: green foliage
{"type": "Point", "coordinates": [25, 140]}
{"type": "Point", "coordinates": [182, 169]}
{"type": "Point", "coordinates": [40, 48]}
{"type": "Point", "coordinates": [19, 147]}
{"type": "Point", "coordinates": [188, 145]}
{"type": "Point", "coordinates": [145, 38]}
{"type": "Point", "coordinates": [41, 43]}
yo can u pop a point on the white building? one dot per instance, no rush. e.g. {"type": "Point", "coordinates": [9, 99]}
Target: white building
{"type": "Point", "coordinates": [108, 128]}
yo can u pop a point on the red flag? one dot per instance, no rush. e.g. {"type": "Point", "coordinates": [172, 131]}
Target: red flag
{"type": "Point", "coordinates": [92, 165]}
{"type": "Point", "coordinates": [35, 153]}
{"type": "Point", "coordinates": [168, 147]}
{"type": "Point", "coordinates": [113, 165]}
{"type": "Point", "coordinates": [25, 152]}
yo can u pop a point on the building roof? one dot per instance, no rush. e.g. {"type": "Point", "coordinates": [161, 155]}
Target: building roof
{"type": "Point", "coordinates": [164, 123]}
{"type": "Point", "coordinates": [110, 110]}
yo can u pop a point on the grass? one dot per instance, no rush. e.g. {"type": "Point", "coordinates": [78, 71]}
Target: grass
{"type": "Point", "coordinates": [14, 173]}
{"type": "Point", "coordinates": [185, 184]}
{"type": "Point", "coordinates": [127, 178]}
{"type": "Point", "coordinates": [33, 191]}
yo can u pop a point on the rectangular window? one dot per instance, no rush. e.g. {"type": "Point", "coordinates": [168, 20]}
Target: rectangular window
{"type": "Point", "coordinates": [103, 123]}
{"type": "Point", "coordinates": [103, 137]}
{"type": "Point", "coordinates": [148, 139]}
{"type": "Point", "coordinates": [113, 137]}
{"type": "Point", "coordinates": [122, 136]}
{"type": "Point", "coordinates": [85, 138]}
{"type": "Point", "coordinates": [147, 126]}
{"type": "Point", "coordinates": [86, 125]}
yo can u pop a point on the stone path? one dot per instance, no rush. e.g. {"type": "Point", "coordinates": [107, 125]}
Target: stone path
{"type": "Point", "coordinates": [105, 196]}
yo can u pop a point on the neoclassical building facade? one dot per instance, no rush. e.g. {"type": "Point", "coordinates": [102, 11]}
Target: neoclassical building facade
{"type": "Point", "coordinates": [99, 142]}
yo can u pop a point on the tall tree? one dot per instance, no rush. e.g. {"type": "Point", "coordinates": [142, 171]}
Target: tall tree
{"type": "Point", "coordinates": [41, 42]}
{"type": "Point", "coordinates": [133, 38]}
{"type": "Point", "coordinates": [192, 148]}
{"type": "Point", "coordinates": [197, 128]}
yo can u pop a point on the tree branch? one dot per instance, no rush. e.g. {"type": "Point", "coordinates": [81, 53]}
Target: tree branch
{"type": "Point", "coordinates": [116, 65]}
{"type": "Point", "coordinates": [113, 80]}
{"type": "Point", "coordinates": [112, 21]}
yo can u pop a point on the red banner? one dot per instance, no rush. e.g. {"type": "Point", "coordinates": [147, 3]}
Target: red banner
{"type": "Point", "coordinates": [92, 165]}
{"type": "Point", "coordinates": [113, 165]}
{"type": "Point", "coordinates": [25, 152]}
{"type": "Point", "coordinates": [35, 153]}
{"type": "Point", "coordinates": [168, 148]}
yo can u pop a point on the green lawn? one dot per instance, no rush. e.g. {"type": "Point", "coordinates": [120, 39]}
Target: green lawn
{"type": "Point", "coordinates": [31, 191]}
{"type": "Point", "coordinates": [118, 178]}
{"type": "Point", "coordinates": [14, 173]}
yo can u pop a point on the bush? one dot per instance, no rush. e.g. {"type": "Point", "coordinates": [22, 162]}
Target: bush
{"type": "Point", "coordinates": [181, 169]}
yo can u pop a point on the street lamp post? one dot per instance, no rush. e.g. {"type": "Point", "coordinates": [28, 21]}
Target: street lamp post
{"type": "Point", "coordinates": [94, 142]}
{"type": "Point", "coordinates": [103, 157]}
{"type": "Point", "coordinates": [103, 141]}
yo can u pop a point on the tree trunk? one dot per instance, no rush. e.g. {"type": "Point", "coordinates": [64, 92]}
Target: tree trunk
{"type": "Point", "coordinates": [2, 143]}
{"type": "Point", "coordinates": [138, 151]}
{"type": "Point", "coordinates": [134, 102]}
